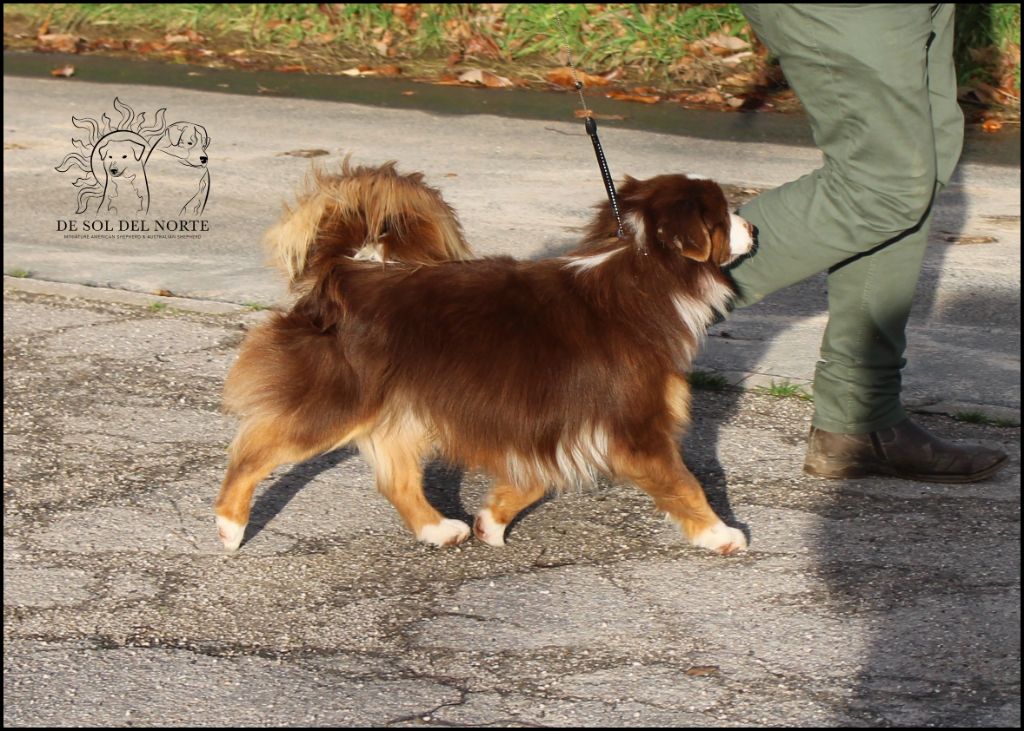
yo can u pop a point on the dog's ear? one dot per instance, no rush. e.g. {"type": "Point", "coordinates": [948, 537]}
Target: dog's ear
{"type": "Point", "coordinates": [174, 134]}
{"type": "Point", "coordinates": [695, 239]}
{"type": "Point", "coordinates": [202, 134]}
{"type": "Point", "coordinates": [138, 149]}
{"type": "Point", "coordinates": [697, 247]}
{"type": "Point", "coordinates": [683, 229]}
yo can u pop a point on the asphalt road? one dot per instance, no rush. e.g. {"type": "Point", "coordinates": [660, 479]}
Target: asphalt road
{"type": "Point", "coordinates": [865, 602]}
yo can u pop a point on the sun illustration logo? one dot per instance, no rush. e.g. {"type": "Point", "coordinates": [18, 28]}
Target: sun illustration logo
{"type": "Point", "coordinates": [133, 168]}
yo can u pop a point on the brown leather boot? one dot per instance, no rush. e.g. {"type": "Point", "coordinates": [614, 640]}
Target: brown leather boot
{"type": "Point", "coordinates": [905, 450]}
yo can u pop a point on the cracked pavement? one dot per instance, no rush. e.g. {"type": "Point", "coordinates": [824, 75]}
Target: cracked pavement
{"type": "Point", "coordinates": [865, 602]}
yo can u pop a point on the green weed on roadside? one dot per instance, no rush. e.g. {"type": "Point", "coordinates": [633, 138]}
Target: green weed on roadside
{"type": "Point", "coordinates": [978, 417]}
{"type": "Point", "coordinates": [785, 389]}
{"type": "Point", "coordinates": [708, 381]}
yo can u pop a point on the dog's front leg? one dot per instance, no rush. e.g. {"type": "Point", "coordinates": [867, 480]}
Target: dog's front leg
{"type": "Point", "coordinates": [676, 491]}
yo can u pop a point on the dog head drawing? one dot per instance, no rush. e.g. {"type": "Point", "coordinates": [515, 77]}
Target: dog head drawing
{"type": "Point", "coordinates": [120, 156]}
{"type": "Point", "coordinates": [187, 142]}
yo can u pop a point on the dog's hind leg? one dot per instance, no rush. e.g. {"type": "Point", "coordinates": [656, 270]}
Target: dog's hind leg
{"type": "Point", "coordinates": [396, 455]}
{"type": "Point", "coordinates": [676, 491]}
{"type": "Point", "coordinates": [504, 503]}
{"type": "Point", "coordinates": [258, 449]}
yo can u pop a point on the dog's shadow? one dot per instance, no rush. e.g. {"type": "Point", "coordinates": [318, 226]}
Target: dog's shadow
{"type": "Point", "coordinates": [275, 496]}
{"type": "Point", "coordinates": [445, 487]}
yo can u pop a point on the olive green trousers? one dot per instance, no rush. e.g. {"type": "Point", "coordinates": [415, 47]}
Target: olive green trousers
{"type": "Point", "coordinates": [879, 86]}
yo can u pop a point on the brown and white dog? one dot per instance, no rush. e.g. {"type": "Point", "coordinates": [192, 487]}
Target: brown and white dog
{"type": "Point", "coordinates": [541, 373]}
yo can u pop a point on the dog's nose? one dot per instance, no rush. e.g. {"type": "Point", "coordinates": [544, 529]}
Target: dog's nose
{"type": "Point", "coordinates": [202, 159]}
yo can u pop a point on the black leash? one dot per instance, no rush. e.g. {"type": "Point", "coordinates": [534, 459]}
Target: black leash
{"type": "Point", "coordinates": [591, 125]}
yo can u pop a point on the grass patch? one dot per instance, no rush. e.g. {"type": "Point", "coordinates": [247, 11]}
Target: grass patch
{"type": "Point", "coordinates": [978, 417]}
{"type": "Point", "coordinates": [987, 46]}
{"type": "Point", "coordinates": [19, 273]}
{"type": "Point", "coordinates": [652, 44]}
{"type": "Point", "coordinates": [653, 33]}
{"type": "Point", "coordinates": [255, 306]}
{"type": "Point", "coordinates": [523, 40]}
{"type": "Point", "coordinates": [157, 306]}
{"type": "Point", "coordinates": [708, 380]}
{"type": "Point", "coordinates": [785, 389]}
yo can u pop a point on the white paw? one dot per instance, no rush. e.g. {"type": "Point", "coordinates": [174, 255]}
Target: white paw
{"type": "Point", "coordinates": [231, 533]}
{"type": "Point", "coordinates": [721, 539]}
{"type": "Point", "coordinates": [488, 530]}
{"type": "Point", "coordinates": [448, 532]}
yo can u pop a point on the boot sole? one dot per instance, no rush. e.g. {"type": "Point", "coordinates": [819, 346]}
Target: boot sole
{"type": "Point", "coordinates": [861, 469]}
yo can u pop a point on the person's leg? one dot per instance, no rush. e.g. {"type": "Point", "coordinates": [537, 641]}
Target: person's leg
{"type": "Point", "coordinates": [879, 85]}
{"type": "Point", "coordinates": [857, 381]}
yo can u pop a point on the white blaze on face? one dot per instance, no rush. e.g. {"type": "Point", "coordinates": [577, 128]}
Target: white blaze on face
{"type": "Point", "coordinates": [741, 238]}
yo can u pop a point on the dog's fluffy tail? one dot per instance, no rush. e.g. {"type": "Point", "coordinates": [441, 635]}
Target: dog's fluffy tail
{"type": "Point", "coordinates": [370, 213]}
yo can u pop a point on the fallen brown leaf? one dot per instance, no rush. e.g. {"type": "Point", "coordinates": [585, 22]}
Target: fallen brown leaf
{"type": "Point", "coordinates": [738, 80]}
{"type": "Point", "coordinates": [360, 70]}
{"type": "Point", "coordinates": [389, 70]}
{"type": "Point", "coordinates": [290, 69]}
{"type": "Point", "coordinates": [304, 153]}
{"type": "Point", "coordinates": [627, 97]}
{"type": "Point", "coordinates": [59, 43]}
{"type": "Point", "coordinates": [63, 71]}
{"type": "Point", "coordinates": [408, 13]}
{"type": "Point", "coordinates": [106, 44]}
{"type": "Point", "coordinates": [563, 77]}
{"type": "Point", "coordinates": [991, 125]}
{"type": "Point", "coordinates": [483, 46]}
{"type": "Point", "coordinates": [172, 38]}
{"type": "Point", "coordinates": [736, 58]}
{"type": "Point", "coordinates": [709, 96]}
{"type": "Point", "coordinates": [153, 47]}
{"type": "Point", "coordinates": [723, 45]}
{"type": "Point", "coordinates": [485, 78]}
{"type": "Point", "coordinates": [963, 239]}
